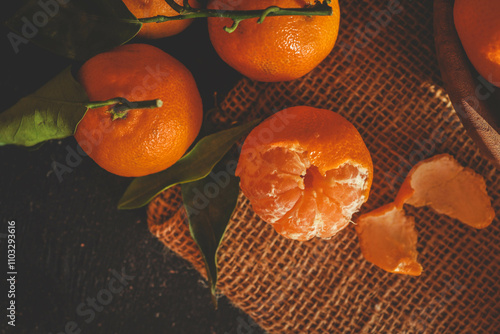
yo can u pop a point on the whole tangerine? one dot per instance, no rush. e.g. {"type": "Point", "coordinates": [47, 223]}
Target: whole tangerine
{"type": "Point", "coordinates": [478, 26]}
{"type": "Point", "coordinates": [280, 48]}
{"type": "Point", "coordinates": [144, 141]}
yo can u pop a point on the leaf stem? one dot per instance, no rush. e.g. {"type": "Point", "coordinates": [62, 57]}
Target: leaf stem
{"type": "Point", "coordinates": [122, 106]}
{"type": "Point", "coordinates": [320, 8]}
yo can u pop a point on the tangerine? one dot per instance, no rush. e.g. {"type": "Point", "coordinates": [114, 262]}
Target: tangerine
{"type": "Point", "coordinates": [145, 141]}
{"type": "Point", "coordinates": [149, 8]}
{"type": "Point", "coordinates": [280, 48]}
{"type": "Point", "coordinates": [306, 171]}
{"type": "Point", "coordinates": [478, 26]}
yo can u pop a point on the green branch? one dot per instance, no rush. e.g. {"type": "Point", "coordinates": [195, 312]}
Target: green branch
{"type": "Point", "coordinates": [185, 11]}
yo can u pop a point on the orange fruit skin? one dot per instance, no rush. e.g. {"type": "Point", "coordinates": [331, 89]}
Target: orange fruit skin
{"type": "Point", "coordinates": [150, 8]}
{"type": "Point", "coordinates": [470, 183]}
{"type": "Point", "coordinates": [146, 141]}
{"type": "Point", "coordinates": [478, 26]}
{"type": "Point", "coordinates": [326, 138]}
{"type": "Point", "coordinates": [389, 244]}
{"type": "Point", "coordinates": [281, 48]}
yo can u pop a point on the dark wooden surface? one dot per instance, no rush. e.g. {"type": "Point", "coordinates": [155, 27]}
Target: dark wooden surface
{"type": "Point", "coordinates": [70, 238]}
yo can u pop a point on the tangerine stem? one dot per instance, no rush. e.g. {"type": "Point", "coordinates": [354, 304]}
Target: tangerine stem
{"type": "Point", "coordinates": [122, 106]}
{"type": "Point", "coordinates": [267, 12]}
{"type": "Point", "coordinates": [320, 8]}
{"type": "Point", "coordinates": [233, 27]}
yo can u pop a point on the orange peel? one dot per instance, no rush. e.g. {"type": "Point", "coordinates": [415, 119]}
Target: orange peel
{"type": "Point", "coordinates": [388, 237]}
{"type": "Point", "coordinates": [442, 184]}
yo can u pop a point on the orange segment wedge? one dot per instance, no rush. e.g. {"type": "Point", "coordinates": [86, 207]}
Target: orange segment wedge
{"type": "Point", "coordinates": [388, 239]}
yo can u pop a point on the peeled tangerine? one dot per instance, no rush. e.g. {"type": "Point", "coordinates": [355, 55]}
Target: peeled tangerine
{"type": "Point", "coordinates": [306, 171]}
{"type": "Point", "coordinates": [388, 237]}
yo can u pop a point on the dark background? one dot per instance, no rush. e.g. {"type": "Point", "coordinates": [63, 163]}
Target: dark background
{"type": "Point", "coordinates": [70, 237]}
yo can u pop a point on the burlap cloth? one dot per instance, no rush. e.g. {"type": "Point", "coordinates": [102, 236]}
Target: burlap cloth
{"type": "Point", "coordinates": [385, 79]}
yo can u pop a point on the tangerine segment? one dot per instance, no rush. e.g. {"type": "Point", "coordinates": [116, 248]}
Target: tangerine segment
{"type": "Point", "coordinates": [306, 171]}
{"type": "Point", "coordinates": [388, 239]}
{"type": "Point", "coordinates": [449, 188]}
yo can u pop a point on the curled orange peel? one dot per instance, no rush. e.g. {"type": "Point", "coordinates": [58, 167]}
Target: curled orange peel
{"type": "Point", "coordinates": [442, 184]}
{"type": "Point", "coordinates": [388, 237]}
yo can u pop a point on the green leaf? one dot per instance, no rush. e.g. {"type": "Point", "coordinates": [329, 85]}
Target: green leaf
{"type": "Point", "coordinates": [78, 29]}
{"type": "Point", "coordinates": [210, 203]}
{"type": "Point", "coordinates": [195, 165]}
{"type": "Point", "coordinates": [52, 112]}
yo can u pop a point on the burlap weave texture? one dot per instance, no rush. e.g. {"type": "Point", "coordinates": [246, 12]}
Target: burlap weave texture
{"type": "Point", "coordinates": [382, 76]}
